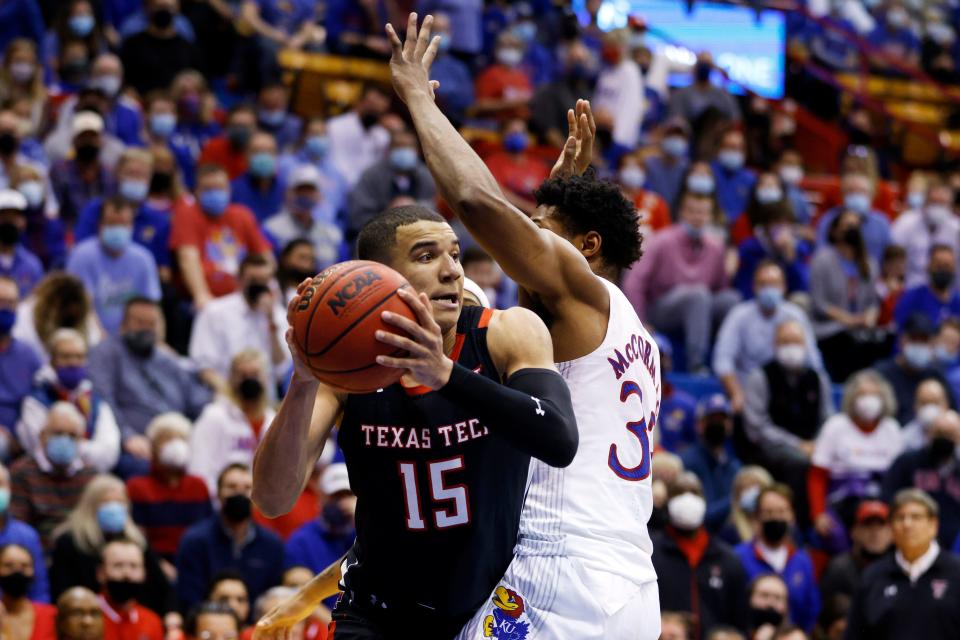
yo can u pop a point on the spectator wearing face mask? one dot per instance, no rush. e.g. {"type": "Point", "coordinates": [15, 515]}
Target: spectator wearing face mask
{"type": "Point", "coordinates": [734, 182]}
{"type": "Point", "coordinates": [167, 500]}
{"type": "Point", "coordinates": [140, 377]}
{"type": "Point", "coordinates": [324, 540]}
{"type": "Point", "coordinates": [946, 348]}
{"type": "Point", "coordinates": [790, 169]}
{"type": "Point", "coordinates": [939, 298]}
{"type": "Point", "coordinates": [82, 178]}
{"type": "Point", "coordinates": [67, 379]}
{"type": "Point", "coordinates": [259, 188]}
{"type": "Point", "coordinates": [161, 131]}
{"type": "Point", "coordinates": [229, 539]}
{"type": "Point", "coordinates": [548, 109]}
{"type": "Point", "coordinates": [17, 263]}
{"type": "Point", "coordinates": [44, 236]}
{"type": "Point", "coordinates": [455, 94]}
{"type": "Point", "coordinates": [743, 503]}
{"type": "Point", "coordinates": [273, 117]}
{"type": "Point", "coordinates": [154, 56]}
{"type": "Point", "coordinates": [746, 338]}
{"type": "Point", "coordinates": [772, 551]}
{"type": "Point", "coordinates": [930, 403]}
{"type": "Point", "coordinates": [912, 365]}
{"type": "Point", "coordinates": [102, 515]}
{"type": "Point", "coordinates": [931, 223]}
{"type": "Point", "coordinates": [697, 572]}
{"type": "Point", "coordinates": [852, 452]}
{"type": "Point", "coordinates": [895, 39]}
{"type": "Point", "coordinates": [872, 540]}
{"type": "Point", "coordinates": [15, 532]}
{"type": "Point", "coordinates": [210, 237]}
{"type": "Point", "coordinates": [357, 139]}
{"type": "Point", "coordinates": [112, 267]}
{"type": "Point", "coordinates": [652, 209]}
{"type": "Point", "coordinates": [230, 149]}
{"type": "Point", "coordinates": [298, 261]}
{"type": "Point", "coordinates": [23, 616]}
{"type": "Point", "coordinates": [151, 228]}
{"type": "Point", "coordinates": [846, 307]}
{"type": "Point", "coordinates": [401, 173]}
{"type": "Point", "coordinates": [121, 575]}
{"type": "Point", "coordinates": [504, 89]}
{"type": "Point", "coordinates": [712, 458]}
{"type": "Point", "coordinates": [47, 482]}
{"type": "Point", "coordinates": [683, 284]}
{"type": "Point", "coordinates": [123, 117]}
{"type": "Point", "coordinates": [769, 603]}
{"type": "Point", "coordinates": [858, 190]}
{"type": "Point", "coordinates": [13, 156]}
{"type": "Point", "coordinates": [691, 102]}
{"type": "Point", "coordinates": [230, 428]}
{"type": "Point", "coordinates": [518, 172]}
{"type": "Point", "coordinates": [250, 319]}
{"type": "Point", "coordinates": [619, 89]}
{"type": "Point", "coordinates": [298, 220]}
{"type": "Point", "coordinates": [666, 171]}
{"type": "Point", "coordinates": [313, 149]}
{"type": "Point", "coordinates": [19, 363]}
{"type": "Point", "coordinates": [23, 80]}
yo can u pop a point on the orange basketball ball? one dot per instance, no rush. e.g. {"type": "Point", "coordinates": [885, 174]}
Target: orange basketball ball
{"type": "Point", "coordinates": [334, 324]}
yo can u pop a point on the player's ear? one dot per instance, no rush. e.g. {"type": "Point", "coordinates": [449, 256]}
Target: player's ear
{"type": "Point", "coordinates": [590, 244]}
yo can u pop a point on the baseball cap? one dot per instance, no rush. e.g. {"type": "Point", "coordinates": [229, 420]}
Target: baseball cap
{"type": "Point", "coordinates": [917, 325]}
{"type": "Point", "coordinates": [12, 199]}
{"type": "Point", "coordinates": [872, 510]}
{"type": "Point", "coordinates": [714, 403]}
{"type": "Point", "coordinates": [305, 174]}
{"type": "Point", "coordinates": [335, 479]}
{"type": "Point", "coordinates": [87, 121]}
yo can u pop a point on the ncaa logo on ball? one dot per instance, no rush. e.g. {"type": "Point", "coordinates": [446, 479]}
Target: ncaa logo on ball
{"type": "Point", "coordinates": [308, 293]}
{"type": "Point", "coordinates": [351, 290]}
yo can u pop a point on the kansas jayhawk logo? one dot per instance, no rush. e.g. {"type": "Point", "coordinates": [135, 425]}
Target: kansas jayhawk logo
{"type": "Point", "coordinates": [504, 623]}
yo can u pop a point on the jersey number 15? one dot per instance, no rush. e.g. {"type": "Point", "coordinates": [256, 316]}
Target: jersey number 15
{"type": "Point", "coordinates": [456, 515]}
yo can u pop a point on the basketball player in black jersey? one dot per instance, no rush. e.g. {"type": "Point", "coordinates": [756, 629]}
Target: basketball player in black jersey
{"type": "Point", "coordinates": [438, 461]}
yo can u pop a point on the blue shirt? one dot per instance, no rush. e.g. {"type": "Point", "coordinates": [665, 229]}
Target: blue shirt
{"type": "Point", "coordinates": [456, 85]}
{"type": "Point", "coordinates": [716, 475]}
{"type": "Point", "coordinates": [287, 15]}
{"type": "Point", "coordinates": [16, 532]}
{"type": "Point", "coordinates": [923, 300]}
{"type": "Point", "coordinates": [802, 592]}
{"type": "Point", "coordinates": [466, 30]}
{"type": "Point", "coordinates": [315, 547]}
{"type": "Point", "coordinates": [137, 21]}
{"type": "Point", "coordinates": [24, 268]}
{"type": "Point", "coordinates": [287, 133]}
{"type": "Point", "coordinates": [206, 549]}
{"type": "Point", "coordinates": [151, 228]}
{"type": "Point", "coordinates": [875, 229]}
{"type": "Point", "coordinates": [22, 19]}
{"type": "Point", "coordinates": [753, 252]}
{"type": "Point", "coordinates": [125, 121]}
{"type": "Point", "coordinates": [111, 281]}
{"type": "Point", "coordinates": [677, 420]}
{"type": "Point", "coordinates": [264, 204]}
{"type": "Point", "coordinates": [882, 38]}
{"type": "Point", "coordinates": [733, 190]}
{"type": "Point", "coordinates": [665, 179]}
{"type": "Point", "coordinates": [801, 208]}
{"type": "Point", "coordinates": [18, 364]}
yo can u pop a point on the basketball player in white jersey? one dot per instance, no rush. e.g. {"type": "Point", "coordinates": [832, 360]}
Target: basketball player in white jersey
{"type": "Point", "coordinates": [582, 566]}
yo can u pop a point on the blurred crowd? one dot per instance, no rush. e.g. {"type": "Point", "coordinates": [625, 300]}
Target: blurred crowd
{"type": "Point", "coordinates": [160, 200]}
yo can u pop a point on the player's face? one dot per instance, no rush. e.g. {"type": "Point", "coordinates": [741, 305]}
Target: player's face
{"type": "Point", "coordinates": [427, 254]}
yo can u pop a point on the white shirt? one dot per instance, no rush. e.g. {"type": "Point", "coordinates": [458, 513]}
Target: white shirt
{"type": "Point", "coordinates": [354, 149]}
{"type": "Point", "coordinates": [846, 450]}
{"type": "Point", "coordinates": [227, 326]}
{"type": "Point", "coordinates": [776, 558]}
{"type": "Point", "coordinates": [919, 566]}
{"type": "Point", "coordinates": [911, 231]}
{"type": "Point", "coordinates": [620, 92]}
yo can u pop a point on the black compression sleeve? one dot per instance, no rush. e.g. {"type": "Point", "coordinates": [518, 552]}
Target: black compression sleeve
{"type": "Point", "coordinates": [532, 410]}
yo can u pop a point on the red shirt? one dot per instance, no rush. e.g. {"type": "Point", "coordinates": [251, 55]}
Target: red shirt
{"type": "Point", "coordinates": [652, 209]}
{"type": "Point", "coordinates": [222, 241]}
{"type": "Point", "coordinates": [44, 621]}
{"type": "Point", "coordinates": [305, 509]}
{"type": "Point", "coordinates": [504, 83]}
{"type": "Point", "coordinates": [130, 623]}
{"type": "Point", "coordinates": [164, 512]}
{"type": "Point", "coordinates": [219, 151]}
{"type": "Point", "coordinates": [521, 176]}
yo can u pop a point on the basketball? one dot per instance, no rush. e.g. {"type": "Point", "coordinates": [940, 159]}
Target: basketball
{"type": "Point", "coordinates": [334, 324]}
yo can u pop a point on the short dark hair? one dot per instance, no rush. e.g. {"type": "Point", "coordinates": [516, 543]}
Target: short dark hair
{"type": "Point", "coordinates": [233, 466]}
{"type": "Point", "coordinates": [379, 235]}
{"type": "Point", "coordinates": [116, 203]}
{"type": "Point", "coordinates": [135, 300]}
{"type": "Point", "coordinates": [293, 245]}
{"type": "Point", "coordinates": [225, 575]}
{"type": "Point", "coordinates": [778, 488]}
{"type": "Point", "coordinates": [209, 168]}
{"type": "Point", "coordinates": [936, 248]}
{"type": "Point", "coordinates": [893, 252]}
{"type": "Point", "coordinates": [209, 608]}
{"type": "Point", "coordinates": [766, 263]}
{"type": "Point", "coordinates": [474, 254]}
{"type": "Point", "coordinates": [584, 204]}
{"type": "Point", "coordinates": [252, 260]}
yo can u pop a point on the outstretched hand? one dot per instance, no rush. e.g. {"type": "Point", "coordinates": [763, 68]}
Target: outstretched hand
{"type": "Point", "coordinates": [578, 151]}
{"type": "Point", "coordinates": [411, 59]}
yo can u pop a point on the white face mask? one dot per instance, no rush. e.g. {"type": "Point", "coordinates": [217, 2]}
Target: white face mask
{"type": "Point", "coordinates": [927, 413]}
{"type": "Point", "coordinates": [791, 356]}
{"type": "Point", "coordinates": [791, 174]}
{"type": "Point", "coordinates": [868, 407]}
{"type": "Point", "coordinates": [175, 454]}
{"type": "Point", "coordinates": [686, 511]}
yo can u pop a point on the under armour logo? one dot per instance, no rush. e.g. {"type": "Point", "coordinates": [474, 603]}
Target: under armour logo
{"type": "Point", "coordinates": [540, 411]}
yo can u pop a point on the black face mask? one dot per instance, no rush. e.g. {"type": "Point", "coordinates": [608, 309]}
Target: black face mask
{"type": "Point", "coordinates": [87, 152]}
{"type": "Point", "coordinates": [9, 234]}
{"type": "Point", "coordinates": [774, 531]}
{"type": "Point", "coordinates": [942, 449]}
{"type": "Point", "coordinates": [8, 144]}
{"type": "Point", "coordinates": [369, 119]}
{"type": "Point", "coordinates": [760, 617]}
{"type": "Point", "coordinates": [870, 556]}
{"type": "Point", "coordinates": [250, 389]}
{"type": "Point", "coordinates": [161, 182]}
{"type": "Point", "coordinates": [715, 433]}
{"type": "Point", "coordinates": [73, 71]}
{"type": "Point", "coordinates": [162, 18]}
{"type": "Point", "coordinates": [239, 137]}
{"type": "Point", "coordinates": [121, 591]}
{"type": "Point", "coordinates": [605, 137]}
{"type": "Point", "coordinates": [941, 279]}
{"type": "Point", "coordinates": [236, 508]}
{"type": "Point", "coordinates": [701, 71]}
{"type": "Point", "coordinates": [15, 584]}
{"type": "Point", "coordinates": [852, 237]}
{"type": "Point", "coordinates": [140, 343]}
{"type": "Point", "coordinates": [253, 291]}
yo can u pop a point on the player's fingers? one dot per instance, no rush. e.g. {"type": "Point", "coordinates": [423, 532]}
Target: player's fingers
{"type": "Point", "coordinates": [571, 123]}
{"type": "Point", "coordinates": [591, 122]}
{"type": "Point", "coordinates": [393, 363]}
{"type": "Point", "coordinates": [395, 45]}
{"type": "Point", "coordinates": [429, 322]}
{"type": "Point", "coordinates": [434, 84]}
{"type": "Point", "coordinates": [431, 54]}
{"type": "Point", "coordinates": [420, 305]}
{"type": "Point", "coordinates": [423, 38]}
{"type": "Point", "coordinates": [410, 37]}
{"type": "Point", "coordinates": [415, 349]}
{"type": "Point", "coordinates": [416, 331]}
{"type": "Point", "coordinates": [303, 285]}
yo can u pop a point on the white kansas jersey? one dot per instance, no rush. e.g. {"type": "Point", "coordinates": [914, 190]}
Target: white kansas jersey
{"type": "Point", "coordinates": [596, 510]}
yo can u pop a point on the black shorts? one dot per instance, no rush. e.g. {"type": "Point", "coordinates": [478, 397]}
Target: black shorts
{"type": "Point", "coordinates": [352, 621]}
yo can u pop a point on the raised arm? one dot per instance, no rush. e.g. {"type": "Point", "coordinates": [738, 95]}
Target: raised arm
{"type": "Point", "coordinates": [285, 456]}
{"type": "Point", "coordinates": [537, 260]}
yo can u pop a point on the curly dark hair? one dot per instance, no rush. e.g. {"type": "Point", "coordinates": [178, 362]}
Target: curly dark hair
{"type": "Point", "coordinates": [584, 204]}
